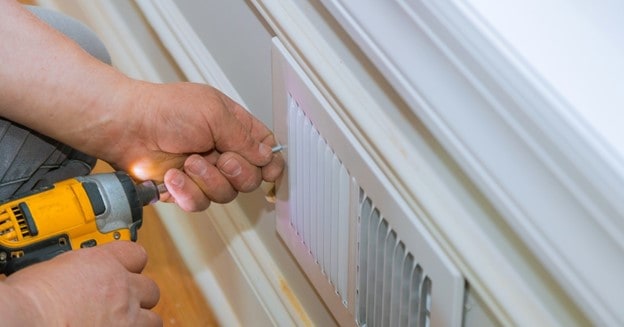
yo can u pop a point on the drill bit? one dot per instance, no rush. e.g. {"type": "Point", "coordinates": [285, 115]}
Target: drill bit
{"type": "Point", "coordinates": [162, 188]}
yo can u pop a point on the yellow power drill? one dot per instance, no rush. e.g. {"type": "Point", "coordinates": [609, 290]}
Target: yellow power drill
{"type": "Point", "coordinates": [76, 213]}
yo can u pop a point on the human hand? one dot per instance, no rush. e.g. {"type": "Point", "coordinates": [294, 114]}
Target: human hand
{"type": "Point", "coordinates": [203, 145]}
{"type": "Point", "coordinates": [100, 286]}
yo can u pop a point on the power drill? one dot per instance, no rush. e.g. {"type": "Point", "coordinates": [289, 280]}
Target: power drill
{"type": "Point", "coordinates": [76, 213]}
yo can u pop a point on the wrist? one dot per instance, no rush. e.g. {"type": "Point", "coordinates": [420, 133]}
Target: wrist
{"type": "Point", "coordinates": [113, 135]}
{"type": "Point", "coordinates": [105, 127]}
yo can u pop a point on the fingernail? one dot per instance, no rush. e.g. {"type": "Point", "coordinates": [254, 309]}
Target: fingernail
{"type": "Point", "coordinates": [177, 180]}
{"type": "Point", "coordinates": [231, 168]}
{"type": "Point", "coordinates": [197, 167]}
{"type": "Point", "coordinates": [264, 150]}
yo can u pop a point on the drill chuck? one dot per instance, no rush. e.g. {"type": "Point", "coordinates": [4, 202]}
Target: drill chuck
{"type": "Point", "coordinates": [147, 192]}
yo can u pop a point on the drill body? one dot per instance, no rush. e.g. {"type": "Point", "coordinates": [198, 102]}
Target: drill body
{"type": "Point", "coordinates": [75, 213]}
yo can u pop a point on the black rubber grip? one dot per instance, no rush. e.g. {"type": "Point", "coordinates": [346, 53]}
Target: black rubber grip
{"type": "Point", "coordinates": [93, 192]}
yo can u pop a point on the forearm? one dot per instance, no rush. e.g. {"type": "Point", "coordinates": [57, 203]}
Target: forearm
{"type": "Point", "coordinates": [50, 84]}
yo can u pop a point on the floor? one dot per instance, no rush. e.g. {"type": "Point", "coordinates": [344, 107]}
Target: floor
{"type": "Point", "coordinates": [181, 303]}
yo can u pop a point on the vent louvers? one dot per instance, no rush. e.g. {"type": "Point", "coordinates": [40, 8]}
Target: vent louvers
{"type": "Point", "coordinates": [393, 289]}
{"type": "Point", "coordinates": [320, 187]}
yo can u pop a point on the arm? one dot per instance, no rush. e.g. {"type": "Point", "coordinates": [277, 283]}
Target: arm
{"type": "Point", "coordinates": [200, 142]}
{"type": "Point", "coordinates": [48, 82]}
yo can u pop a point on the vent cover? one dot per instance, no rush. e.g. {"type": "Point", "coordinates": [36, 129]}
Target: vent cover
{"type": "Point", "coordinates": [361, 245]}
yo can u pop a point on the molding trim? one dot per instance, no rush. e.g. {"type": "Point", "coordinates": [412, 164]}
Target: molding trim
{"type": "Point", "coordinates": [486, 250]}
{"type": "Point", "coordinates": [465, 241]}
{"type": "Point", "coordinates": [541, 166]}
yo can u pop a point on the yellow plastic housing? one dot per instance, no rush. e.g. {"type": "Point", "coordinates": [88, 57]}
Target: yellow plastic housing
{"type": "Point", "coordinates": [65, 209]}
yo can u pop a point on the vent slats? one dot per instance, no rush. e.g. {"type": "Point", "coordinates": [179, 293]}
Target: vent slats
{"type": "Point", "coordinates": [393, 289]}
{"type": "Point", "coordinates": [320, 186]}
{"type": "Point", "coordinates": [357, 236]}
{"type": "Point", "coordinates": [363, 267]}
{"type": "Point", "coordinates": [343, 233]}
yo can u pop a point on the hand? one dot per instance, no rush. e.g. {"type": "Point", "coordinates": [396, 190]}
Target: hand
{"type": "Point", "coordinates": [99, 286]}
{"type": "Point", "coordinates": [201, 143]}
{"type": "Point", "coordinates": [204, 145]}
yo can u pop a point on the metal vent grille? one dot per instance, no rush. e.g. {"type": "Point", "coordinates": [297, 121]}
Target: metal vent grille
{"type": "Point", "coordinates": [320, 189]}
{"type": "Point", "coordinates": [393, 289]}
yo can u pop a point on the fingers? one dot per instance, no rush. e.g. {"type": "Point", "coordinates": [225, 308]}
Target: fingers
{"type": "Point", "coordinates": [209, 179]}
{"type": "Point", "coordinates": [131, 255]}
{"type": "Point", "coordinates": [188, 196]}
{"type": "Point", "coordinates": [204, 181]}
{"type": "Point", "coordinates": [243, 176]}
{"type": "Point", "coordinates": [273, 170]}
{"type": "Point", "coordinates": [146, 290]}
{"type": "Point", "coordinates": [148, 318]}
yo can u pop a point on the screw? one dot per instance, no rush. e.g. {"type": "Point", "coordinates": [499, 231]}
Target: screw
{"type": "Point", "coordinates": [116, 235]}
{"type": "Point", "coordinates": [277, 148]}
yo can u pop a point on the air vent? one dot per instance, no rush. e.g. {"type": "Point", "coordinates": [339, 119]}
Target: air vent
{"type": "Point", "coordinates": [361, 244]}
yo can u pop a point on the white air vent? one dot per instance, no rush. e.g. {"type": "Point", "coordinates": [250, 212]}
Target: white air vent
{"type": "Point", "coordinates": [361, 246]}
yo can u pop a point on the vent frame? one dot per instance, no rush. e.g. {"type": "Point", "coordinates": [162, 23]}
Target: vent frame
{"type": "Point", "coordinates": [289, 81]}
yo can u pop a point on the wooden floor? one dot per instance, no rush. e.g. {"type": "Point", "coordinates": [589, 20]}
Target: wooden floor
{"type": "Point", "coordinates": [181, 302]}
